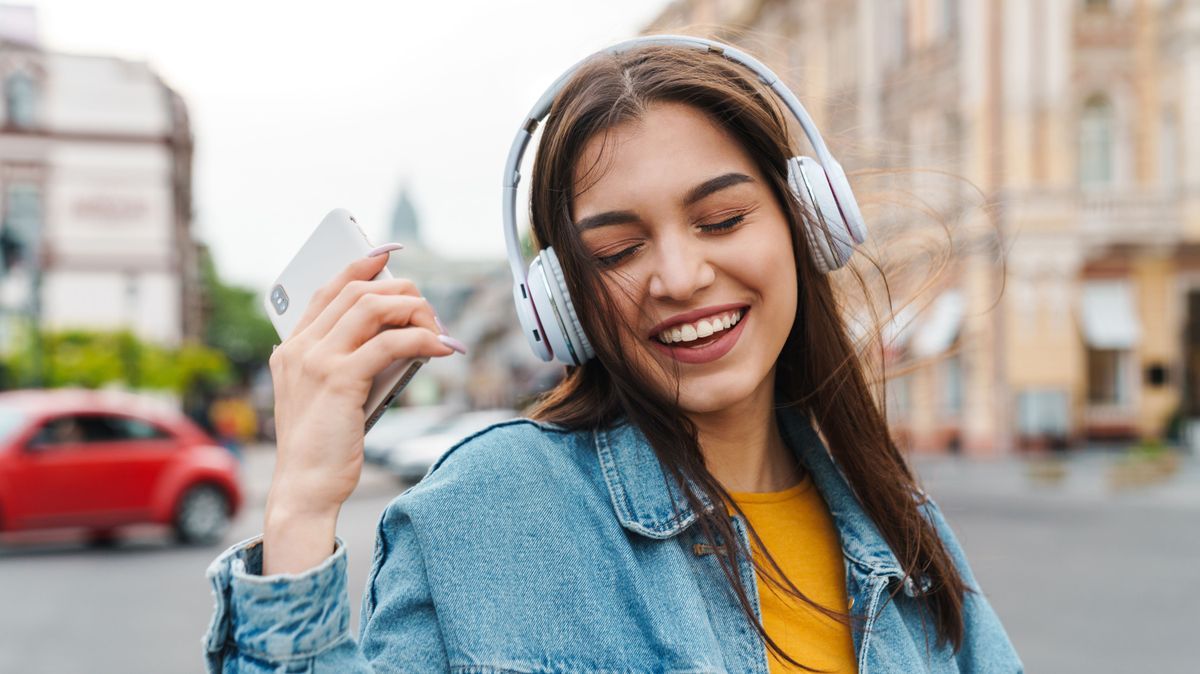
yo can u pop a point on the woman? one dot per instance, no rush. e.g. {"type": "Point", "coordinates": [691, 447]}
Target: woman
{"type": "Point", "coordinates": [586, 539]}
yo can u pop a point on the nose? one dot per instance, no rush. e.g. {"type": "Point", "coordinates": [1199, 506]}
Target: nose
{"type": "Point", "coordinates": [680, 270]}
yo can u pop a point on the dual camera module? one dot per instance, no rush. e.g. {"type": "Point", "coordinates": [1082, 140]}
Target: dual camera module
{"type": "Point", "coordinates": [279, 300]}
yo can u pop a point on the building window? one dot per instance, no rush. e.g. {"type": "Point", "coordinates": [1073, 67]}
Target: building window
{"type": "Point", "coordinates": [1043, 413]}
{"type": "Point", "coordinates": [952, 388]}
{"type": "Point", "coordinates": [19, 104]}
{"type": "Point", "coordinates": [949, 18]}
{"type": "Point", "coordinates": [20, 225]}
{"type": "Point", "coordinates": [1169, 152]}
{"type": "Point", "coordinates": [1096, 143]}
{"type": "Point", "coordinates": [899, 402]}
{"type": "Point", "coordinates": [1108, 377]}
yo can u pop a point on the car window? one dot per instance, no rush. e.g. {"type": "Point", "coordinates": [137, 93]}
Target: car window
{"type": "Point", "coordinates": [78, 428]}
{"type": "Point", "coordinates": [11, 421]}
{"type": "Point", "coordinates": [62, 430]}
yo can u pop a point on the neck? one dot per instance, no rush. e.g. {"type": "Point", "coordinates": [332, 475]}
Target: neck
{"type": "Point", "coordinates": [742, 446]}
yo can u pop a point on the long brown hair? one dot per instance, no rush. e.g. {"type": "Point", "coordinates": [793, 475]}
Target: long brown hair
{"type": "Point", "coordinates": [818, 371]}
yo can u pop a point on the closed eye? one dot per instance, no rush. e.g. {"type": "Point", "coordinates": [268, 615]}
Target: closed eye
{"type": "Point", "coordinates": [610, 260]}
{"type": "Point", "coordinates": [725, 224]}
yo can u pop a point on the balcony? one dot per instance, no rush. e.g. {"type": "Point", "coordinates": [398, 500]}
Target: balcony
{"type": "Point", "coordinates": [1107, 218]}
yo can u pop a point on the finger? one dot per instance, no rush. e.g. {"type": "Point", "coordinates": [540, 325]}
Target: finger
{"type": "Point", "coordinates": [390, 346]}
{"type": "Point", "coordinates": [359, 270]}
{"type": "Point", "coordinates": [373, 313]}
{"type": "Point", "coordinates": [351, 294]}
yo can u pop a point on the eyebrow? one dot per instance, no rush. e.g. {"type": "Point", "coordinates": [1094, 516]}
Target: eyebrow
{"type": "Point", "coordinates": [704, 189]}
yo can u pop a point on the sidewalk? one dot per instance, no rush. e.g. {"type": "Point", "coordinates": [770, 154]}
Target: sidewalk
{"type": "Point", "coordinates": [1086, 479]}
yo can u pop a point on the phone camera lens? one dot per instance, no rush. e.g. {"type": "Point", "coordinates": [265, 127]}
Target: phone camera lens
{"type": "Point", "coordinates": [279, 299]}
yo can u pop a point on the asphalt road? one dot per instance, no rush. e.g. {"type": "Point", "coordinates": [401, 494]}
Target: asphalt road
{"type": "Point", "coordinates": [1085, 579]}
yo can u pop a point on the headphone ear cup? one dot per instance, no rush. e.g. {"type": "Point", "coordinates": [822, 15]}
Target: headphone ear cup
{"type": "Point", "coordinates": [555, 311]}
{"type": "Point", "coordinates": [829, 237]}
{"type": "Point", "coordinates": [577, 341]}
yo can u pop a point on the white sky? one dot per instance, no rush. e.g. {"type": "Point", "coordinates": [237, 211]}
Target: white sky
{"type": "Point", "coordinates": [299, 107]}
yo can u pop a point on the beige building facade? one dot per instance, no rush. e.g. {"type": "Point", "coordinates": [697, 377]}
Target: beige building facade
{"type": "Point", "coordinates": [1078, 320]}
{"type": "Point", "coordinates": [95, 194]}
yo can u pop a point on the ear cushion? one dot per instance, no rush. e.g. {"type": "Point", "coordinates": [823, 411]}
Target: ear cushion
{"type": "Point", "coordinates": [828, 235]}
{"type": "Point", "coordinates": [577, 347]}
{"type": "Point", "coordinates": [847, 203]}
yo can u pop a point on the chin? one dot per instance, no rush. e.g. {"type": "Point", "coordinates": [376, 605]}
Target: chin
{"type": "Point", "coordinates": [707, 396]}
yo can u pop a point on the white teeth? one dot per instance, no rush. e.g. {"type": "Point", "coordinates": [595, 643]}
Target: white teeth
{"type": "Point", "coordinates": [690, 332]}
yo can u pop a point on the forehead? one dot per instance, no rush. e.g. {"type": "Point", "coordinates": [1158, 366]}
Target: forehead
{"type": "Point", "coordinates": [664, 153]}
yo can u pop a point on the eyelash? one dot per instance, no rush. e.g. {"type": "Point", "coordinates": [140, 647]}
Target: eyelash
{"type": "Point", "coordinates": [724, 225]}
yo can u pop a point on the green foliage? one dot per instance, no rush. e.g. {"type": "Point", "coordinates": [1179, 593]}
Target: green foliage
{"type": "Point", "coordinates": [237, 324]}
{"type": "Point", "coordinates": [92, 359]}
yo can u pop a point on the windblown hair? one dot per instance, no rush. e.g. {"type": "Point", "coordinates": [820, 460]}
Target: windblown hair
{"type": "Point", "coordinates": [818, 371]}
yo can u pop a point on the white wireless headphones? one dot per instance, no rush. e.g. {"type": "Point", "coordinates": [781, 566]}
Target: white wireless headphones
{"type": "Point", "coordinates": [543, 304]}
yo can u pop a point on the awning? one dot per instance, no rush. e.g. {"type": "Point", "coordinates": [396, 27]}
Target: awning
{"type": "Point", "coordinates": [1108, 315]}
{"type": "Point", "coordinates": [940, 326]}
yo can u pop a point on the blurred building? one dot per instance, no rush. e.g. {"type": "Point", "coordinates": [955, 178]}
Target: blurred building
{"type": "Point", "coordinates": [473, 298]}
{"type": "Point", "coordinates": [1078, 119]}
{"type": "Point", "coordinates": [95, 193]}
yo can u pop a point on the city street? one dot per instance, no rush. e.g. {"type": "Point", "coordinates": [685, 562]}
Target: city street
{"type": "Point", "coordinates": [1084, 579]}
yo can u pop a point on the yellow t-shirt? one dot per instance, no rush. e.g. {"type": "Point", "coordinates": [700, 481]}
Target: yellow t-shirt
{"type": "Point", "coordinates": [796, 527]}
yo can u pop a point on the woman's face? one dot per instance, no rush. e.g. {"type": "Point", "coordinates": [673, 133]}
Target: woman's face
{"type": "Point", "coordinates": [695, 250]}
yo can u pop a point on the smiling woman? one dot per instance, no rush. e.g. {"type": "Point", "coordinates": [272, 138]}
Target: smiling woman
{"type": "Point", "coordinates": [672, 505]}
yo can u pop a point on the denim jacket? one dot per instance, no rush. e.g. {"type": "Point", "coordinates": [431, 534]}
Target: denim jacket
{"type": "Point", "coordinates": [531, 548]}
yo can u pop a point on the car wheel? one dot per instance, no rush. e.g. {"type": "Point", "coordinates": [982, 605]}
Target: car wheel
{"type": "Point", "coordinates": [102, 538]}
{"type": "Point", "coordinates": [202, 516]}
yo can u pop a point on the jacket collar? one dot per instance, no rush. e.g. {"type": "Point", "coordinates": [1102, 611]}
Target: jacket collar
{"type": "Point", "coordinates": [650, 503]}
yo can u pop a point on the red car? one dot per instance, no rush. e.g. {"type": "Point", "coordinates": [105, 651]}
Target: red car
{"type": "Point", "coordinates": [102, 459]}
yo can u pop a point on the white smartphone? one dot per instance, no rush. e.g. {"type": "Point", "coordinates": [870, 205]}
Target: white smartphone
{"type": "Point", "coordinates": [333, 245]}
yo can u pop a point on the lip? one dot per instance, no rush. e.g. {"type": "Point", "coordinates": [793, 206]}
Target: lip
{"type": "Point", "coordinates": [709, 352]}
{"type": "Point", "coordinates": [695, 315]}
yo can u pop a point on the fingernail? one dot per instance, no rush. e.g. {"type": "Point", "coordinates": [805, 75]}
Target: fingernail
{"type": "Point", "coordinates": [441, 328]}
{"type": "Point", "coordinates": [453, 343]}
{"type": "Point", "coordinates": [385, 248]}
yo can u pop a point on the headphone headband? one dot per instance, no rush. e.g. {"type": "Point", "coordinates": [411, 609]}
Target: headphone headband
{"type": "Point", "coordinates": [512, 167]}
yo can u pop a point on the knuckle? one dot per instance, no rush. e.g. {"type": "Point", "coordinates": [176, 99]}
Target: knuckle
{"type": "Point", "coordinates": [357, 287]}
{"type": "Point", "coordinates": [373, 304]}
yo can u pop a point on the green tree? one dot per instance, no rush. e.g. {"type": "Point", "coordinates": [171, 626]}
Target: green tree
{"type": "Point", "coordinates": [92, 359]}
{"type": "Point", "coordinates": [236, 325]}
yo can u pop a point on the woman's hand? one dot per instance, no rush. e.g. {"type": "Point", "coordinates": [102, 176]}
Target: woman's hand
{"type": "Point", "coordinates": [353, 329]}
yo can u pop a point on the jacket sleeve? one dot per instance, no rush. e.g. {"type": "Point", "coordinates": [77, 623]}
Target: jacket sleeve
{"type": "Point", "coordinates": [986, 646]}
{"type": "Point", "coordinates": [301, 622]}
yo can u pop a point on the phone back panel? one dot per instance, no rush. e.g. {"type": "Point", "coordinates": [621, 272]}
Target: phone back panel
{"type": "Point", "coordinates": [335, 243]}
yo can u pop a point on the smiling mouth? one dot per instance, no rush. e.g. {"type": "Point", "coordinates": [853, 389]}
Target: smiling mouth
{"type": "Point", "coordinates": [701, 332]}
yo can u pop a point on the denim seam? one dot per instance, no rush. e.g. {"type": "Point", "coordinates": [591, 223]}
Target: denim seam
{"type": "Point", "coordinates": [421, 546]}
{"type": "Point", "coordinates": [306, 655]}
{"type": "Point", "coordinates": [504, 424]}
{"type": "Point", "coordinates": [620, 498]}
{"type": "Point", "coordinates": [877, 584]}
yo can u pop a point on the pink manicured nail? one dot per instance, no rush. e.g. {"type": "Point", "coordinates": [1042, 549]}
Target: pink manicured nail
{"type": "Point", "coordinates": [441, 327]}
{"type": "Point", "coordinates": [453, 343]}
{"type": "Point", "coordinates": [385, 248]}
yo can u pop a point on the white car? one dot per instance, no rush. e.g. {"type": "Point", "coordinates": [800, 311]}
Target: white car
{"type": "Point", "coordinates": [399, 424]}
{"type": "Point", "coordinates": [410, 459]}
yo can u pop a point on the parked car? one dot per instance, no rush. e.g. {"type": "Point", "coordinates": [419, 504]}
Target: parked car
{"type": "Point", "coordinates": [99, 460]}
{"type": "Point", "coordinates": [411, 458]}
{"type": "Point", "coordinates": [399, 424]}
